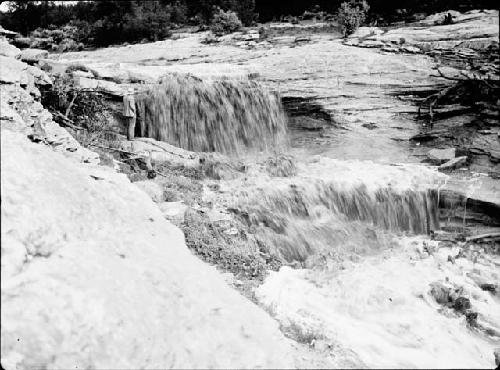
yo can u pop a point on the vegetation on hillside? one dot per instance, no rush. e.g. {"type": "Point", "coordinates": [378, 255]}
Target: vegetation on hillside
{"type": "Point", "coordinates": [225, 22]}
{"type": "Point", "coordinates": [102, 23]}
{"type": "Point", "coordinates": [351, 15]}
{"type": "Point", "coordinates": [83, 111]}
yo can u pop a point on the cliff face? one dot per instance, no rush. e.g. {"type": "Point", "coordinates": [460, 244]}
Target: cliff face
{"type": "Point", "coordinates": [93, 276]}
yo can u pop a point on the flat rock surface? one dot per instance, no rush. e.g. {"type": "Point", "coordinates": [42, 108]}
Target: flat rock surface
{"type": "Point", "coordinates": [471, 29]}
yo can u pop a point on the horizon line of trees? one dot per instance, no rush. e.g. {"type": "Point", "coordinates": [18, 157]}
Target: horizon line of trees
{"type": "Point", "coordinates": [106, 22]}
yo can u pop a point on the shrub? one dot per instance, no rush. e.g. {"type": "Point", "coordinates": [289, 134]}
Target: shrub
{"type": "Point", "coordinates": [225, 22]}
{"type": "Point", "coordinates": [84, 108]}
{"type": "Point", "coordinates": [351, 15]}
{"type": "Point", "coordinates": [246, 11]}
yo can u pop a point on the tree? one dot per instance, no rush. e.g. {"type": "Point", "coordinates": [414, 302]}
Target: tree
{"type": "Point", "coordinates": [351, 15]}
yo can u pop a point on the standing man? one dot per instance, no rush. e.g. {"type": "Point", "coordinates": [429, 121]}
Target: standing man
{"type": "Point", "coordinates": [129, 113]}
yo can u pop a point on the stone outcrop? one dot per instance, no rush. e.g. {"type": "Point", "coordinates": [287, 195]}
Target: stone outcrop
{"type": "Point", "coordinates": [439, 156]}
{"type": "Point", "coordinates": [475, 29]}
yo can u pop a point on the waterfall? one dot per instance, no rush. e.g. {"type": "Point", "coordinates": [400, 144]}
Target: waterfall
{"type": "Point", "coordinates": [212, 116]}
{"type": "Point", "coordinates": [327, 208]}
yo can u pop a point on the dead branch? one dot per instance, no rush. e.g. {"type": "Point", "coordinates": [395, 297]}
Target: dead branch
{"type": "Point", "coordinates": [68, 110]}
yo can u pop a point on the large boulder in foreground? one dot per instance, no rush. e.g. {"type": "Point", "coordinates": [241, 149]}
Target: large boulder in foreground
{"type": "Point", "coordinates": [93, 276]}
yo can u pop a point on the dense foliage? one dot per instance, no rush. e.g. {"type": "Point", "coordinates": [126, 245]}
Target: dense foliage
{"type": "Point", "coordinates": [101, 23]}
{"type": "Point", "coordinates": [225, 22]}
{"type": "Point", "coordinates": [380, 9]}
{"type": "Point", "coordinates": [109, 22]}
{"type": "Point", "coordinates": [351, 15]}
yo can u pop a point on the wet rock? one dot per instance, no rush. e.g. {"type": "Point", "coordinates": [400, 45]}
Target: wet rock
{"type": "Point", "coordinates": [33, 55]}
{"type": "Point", "coordinates": [471, 318]}
{"type": "Point", "coordinates": [440, 292]}
{"type": "Point", "coordinates": [461, 304]}
{"type": "Point", "coordinates": [440, 156]}
{"type": "Point", "coordinates": [151, 188]}
{"type": "Point", "coordinates": [453, 164]}
{"type": "Point", "coordinates": [488, 287]}
{"type": "Point", "coordinates": [369, 126]}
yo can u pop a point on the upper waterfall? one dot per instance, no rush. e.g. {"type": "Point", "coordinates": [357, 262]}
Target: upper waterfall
{"type": "Point", "coordinates": [221, 116]}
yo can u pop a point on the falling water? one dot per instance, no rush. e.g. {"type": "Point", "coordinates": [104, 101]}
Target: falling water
{"type": "Point", "coordinates": [306, 215]}
{"type": "Point", "coordinates": [212, 116]}
{"type": "Point", "coordinates": [351, 224]}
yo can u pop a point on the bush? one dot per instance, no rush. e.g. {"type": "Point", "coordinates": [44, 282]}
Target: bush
{"type": "Point", "coordinates": [351, 15]}
{"type": "Point", "coordinates": [86, 109]}
{"type": "Point", "coordinates": [225, 22]}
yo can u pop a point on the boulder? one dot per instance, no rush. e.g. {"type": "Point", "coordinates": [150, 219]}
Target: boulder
{"type": "Point", "coordinates": [33, 55]}
{"type": "Point", "coordinates": [9, 50]}
{"type": "Point", "coordinates": [173, 211]}
{"type": "Point", "coordinates": [461, 304]}
{"type": "Point", "coordinates": [453, 164]}
{"type": "Point", "coordinates": [439, 156]}
{"type": "Point", "coordinates": [496, 353]}
{"type": "Point", "coordinates": [151, 188]}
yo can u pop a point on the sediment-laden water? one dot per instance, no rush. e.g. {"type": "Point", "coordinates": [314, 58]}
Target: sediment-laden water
{"type": "Point", "coordinates": [356, 228]}
{"type": "Point", "coordinates": [212, 116]}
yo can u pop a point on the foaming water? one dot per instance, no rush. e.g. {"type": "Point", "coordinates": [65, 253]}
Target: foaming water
{"type": "Point", "coordinates": [334, 209]}
{"type": "Point", "coordinates": [212, 115]}
{"type": "Point", "coordinates": [381, 308]}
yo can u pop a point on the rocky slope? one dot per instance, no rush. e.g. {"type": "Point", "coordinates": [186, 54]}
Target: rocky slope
{"type": "Point", "coordinates": [93, 276]}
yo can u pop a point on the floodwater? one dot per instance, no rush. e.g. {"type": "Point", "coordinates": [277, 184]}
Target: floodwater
{"type": "Point", "coordinates": [357, 212]}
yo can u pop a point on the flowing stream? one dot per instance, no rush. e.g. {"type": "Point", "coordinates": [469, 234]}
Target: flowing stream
{"type": "Point", "coordinates": [356, 229]}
